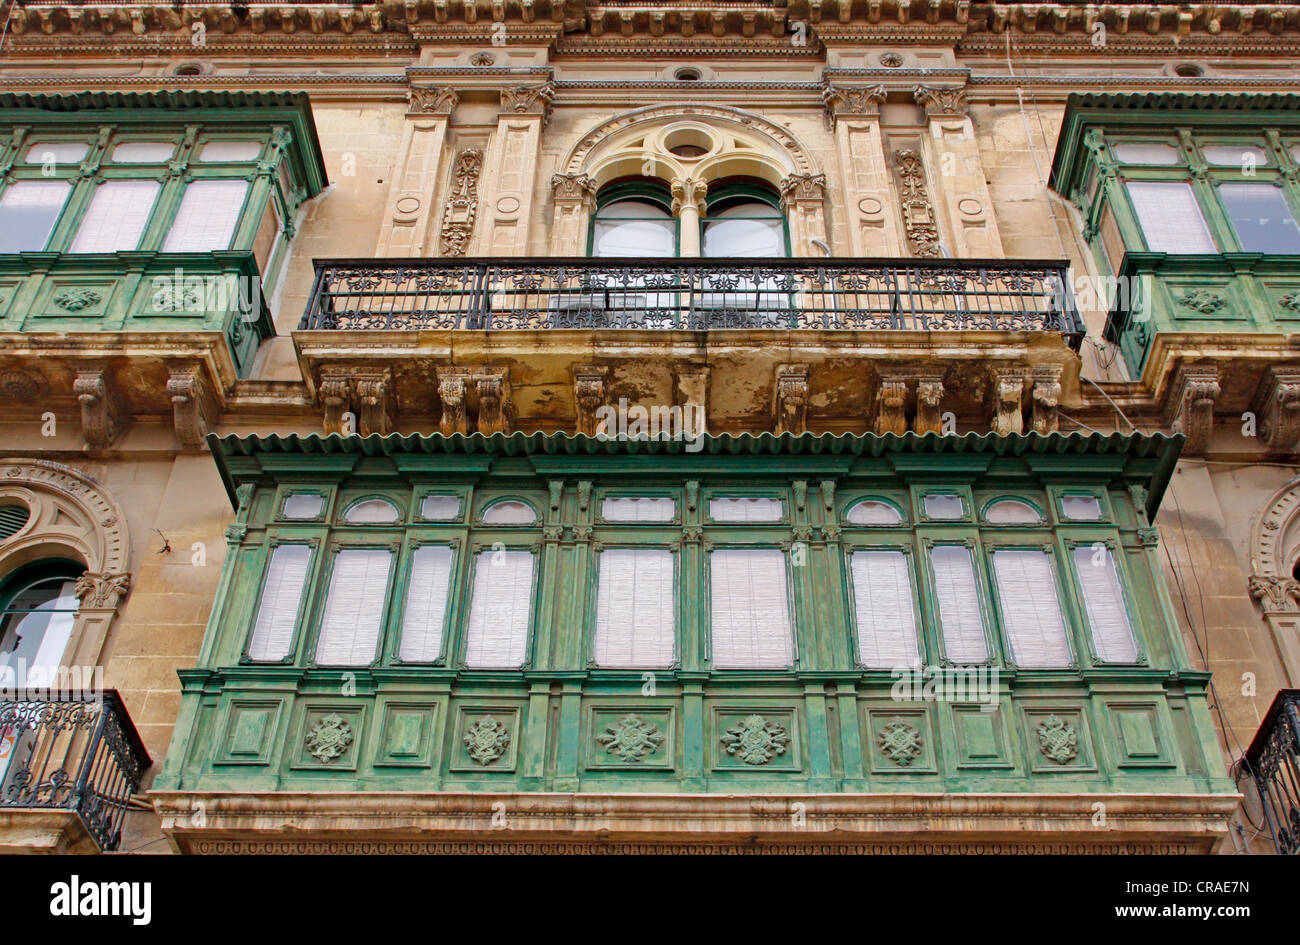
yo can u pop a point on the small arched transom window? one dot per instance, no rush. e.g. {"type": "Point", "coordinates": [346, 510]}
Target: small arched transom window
{"type": "Point", "coordinates": [873, 512]}
{"type": "Point", "coordinates": [509, 512]}
{"type": "Point", "coordinates": [1011, 512]}
{"type": "Point", "coordinates": [371, 512]}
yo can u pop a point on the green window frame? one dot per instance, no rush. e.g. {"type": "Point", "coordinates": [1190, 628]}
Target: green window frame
{"type": "Point", "coordinates": [375, 541]}
{"type": "Point", "coordinates": [395, 639]}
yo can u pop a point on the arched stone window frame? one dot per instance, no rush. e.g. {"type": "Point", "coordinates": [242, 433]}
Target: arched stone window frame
{"type": "Point", "coordinates": [1272, 560]}
{"type": "Point", "coordinates": [72, 517]}
{"type": "Point", "coordinates": [638, 144]}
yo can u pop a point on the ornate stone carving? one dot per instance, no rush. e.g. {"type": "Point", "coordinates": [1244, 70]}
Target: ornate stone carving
{"type": "Point", "coordinates": [862, 101]}
{"type": "Point", "coordinates": [900, 742]}
{"type": "Point", "coordinates": [431, 100]}
{"type": "Point", "coordinates": [801, 187]}
{"type": "Point", "coordinates": [929, 405]}
{"type": "Point", "coordinates": [891, 403]}
{"type": "Point", "coordinates": [1277, 406]}
{"type": "Point", "coordinates": [335, 394]}
{"type": "Point", "coordinates": [103, 415]}
{"type": "Point", "coordinates": [486, 740]}
{"type": "Point", "coordinates": [329, 738]}
{"type": "Point", "coordinates": [1190, 407]}
{"type": "Point", "coordinates": [918, 213]}
{"type": "Point", "coordinates": [451, 391]}
{"type": "Point", "coordinates": [22, 386]}
{"type": "Point", "coordinates": [689, 192]}
{"type": "Point", "coordinates": [1148, 536]}
{"type": "Point", "coordinates": [573, 187]}
{"type": "Point", "coordinates": [1276, 595]}
{"type": "Point", "coordinates": [462, 205]}
{"type": "Point", "coordinates": [1005, 410]}
{"type": "Point", "coordinates": [98, 591]}
{"type": "Point", "coordinates": [756, 740]}
{"type": "Point", "coordinates": [1202, 301]}
{"type": "Point", "coordinates": [589, 394]}
{"type": "Point", "coordinates": [940, 101]}
{"type": "Point", "coordinates": [186, 390]}
{"type": "Point", "coordinates": [1057, 740]}
{"type": "Point", "coordinates": [77, 300]}
{"type": "Point", "coordinates": [493, 406]}
{"type": "Point", "coordinates": [631, 738]}
{"type": "Point", "coordinates": [791, 398]}
{"type": "Point", "coordinates": [529, 100]}
{"type": "Point", "coordinates": [101, 541]}
{"type": "Point", "coordinates": [1046, 394]}
{"type": "Point", "coordinates": [374, 395]}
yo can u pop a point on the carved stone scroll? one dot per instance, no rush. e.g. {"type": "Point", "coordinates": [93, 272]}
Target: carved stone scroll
{"type": "Point", "coordinates": [919, 222]}
{"type": "Point", "coordinates": [1046, 394]}
{"type": "Point", "coordinates": [1190, 407]}
{"type": "Point", "coordinates": [1277, 407]}
{"type": "Point", "coordinates": [929, 405]}
{"type": "Point", "coordinates": [791, 398]}
{"type": "Point", "coordinates": [891, 403]}
{"type": "Point", "coordinates": [103, 414]}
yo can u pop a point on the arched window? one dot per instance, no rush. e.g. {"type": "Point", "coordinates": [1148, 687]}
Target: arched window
{"type": "Point", "coordinates": [634, 219]}
{"type": "Point", "coordinates": [744, 219]}
{"type": "Point", "coordinates": [37, 608]}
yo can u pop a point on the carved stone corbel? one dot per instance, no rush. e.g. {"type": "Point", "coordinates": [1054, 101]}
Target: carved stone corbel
{"type": "Point", "coordinates": [589, 393]}
{"type": "Point", "coordinates": [493, 403]}
{"type": "Point", "coordinates": [791, 398]}
{"type": "Point", "coordinates": [452, 392]}
{"type": "Point", "coordinates": [431, 100]}
{"type": "Point", "coordinates": [1277, 407]}
{"type": "Point", "coordinates": [1006, 408]}
{"type": "Point", "coordinates": [1190, 407]}
{"type": "Point", "coordinates": [577, 187]}
{"type": "Point", "coordinates": [929, 405]}
{"type": "Point", "coordinates": [335, 392]}
{"type": "Point", "coordinates": [691, 389]}
{"type": "Point", "coordinates": [941, 102]}
{"type": "Point", "coordinates": [891, 405]}
{"type": "Point", "coordinates": [1276, 595]}
{"type": "Point", "coordinates": [191, 405]}
{"type": "Point", "coordinates": [103, 414]}
{"type": "Point", "coordinates": [374, 391]}
{"type": "Point", "coordinates": [847, 101]}
{"type": "Point", "coordinates": [1046, 394]}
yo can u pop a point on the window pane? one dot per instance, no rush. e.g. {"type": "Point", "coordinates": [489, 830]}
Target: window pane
{"type": "Point", "coordinates": [1031, 610]}
{"type": "Point", "coordinates": [277, 615]}
{"type": "Point", "coordinates": [744, 509]}
{"type": "Point", "coordinates": [736, 232]}
{"type": "Point", "coordinates": [237, 151]}
{"type": "Point", "coordinates": [1081, 508]}
{"type": "Point", "coordinates": [371, 512]}
{"type": "Point", "coordinates": [1011, 512]}
{"type": "Point", "coordinates": [634, 608]}
{"type": "Point", "coordinates": [116, 216]}
{"type": "Point", "coordinates": [500, 608]}
{"type": "Point", "coordinates": [1243, 156]}
{"type": "Point", "coordinates": [509, 513]}
{"type": "Point", "coordinates": [426, 604]}
{"type": "Point", "coordinates": [1262, 219]}
{"type": "Point", "coordinates": [944, 507]}
{"type": "Point", "coordinates": [872, 512]}
{"type": "Point", "coordinates": [1112, 634]}
{"type": "Point", "coordinates": [354, 608]}
{"type": "Point", "coordinates": [207, 216]}
{"type": "Point", "coordinates": [882, 597]}
{"type": "Point", "coordinates": [638, 509]}
{"type": "Point", "coordinates": [143, 152]}
{"type": "Point", "coordinates": [28, 211]}
{"type": "Point", "coordinates": [56, 153]}
{"type": "Point", "coordinates": [959, 604]}
{"type": "Point", "coordinates": [440, 508]}
{"type": "Point", "coordinates": [633, 228]}
{"type": "Point", "coordinates": [750, 609]}
{"type": "Point", "coordinates": [302, 505]}
{"type": "Point", "coordinates": [1170, 217]}
{"type": "Point", "coordinates": [34, 632]}
{"type": "Point", "coordinates": [1145, 153]}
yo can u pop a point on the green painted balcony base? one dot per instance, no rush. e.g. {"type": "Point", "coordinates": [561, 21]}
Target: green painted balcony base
{"type": "Point", "coordinates": [405, 822]}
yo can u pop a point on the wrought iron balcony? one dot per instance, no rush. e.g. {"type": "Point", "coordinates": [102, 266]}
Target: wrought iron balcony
{"type": "Point", "coordinates": [80, 755]}
{"type": "Point", "coordinates": [1273, 761]}
{"type": "Point", "coordinates": [694, 295]}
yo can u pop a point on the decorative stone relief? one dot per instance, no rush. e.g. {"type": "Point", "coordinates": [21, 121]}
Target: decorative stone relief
{"type": "Point", "coordinates": [1057, 740]}
{"type": "Point", "coordinates": [800, 187]}
{"type": "Point", "coordinates": [429, 100]}
{"type": "Point", "coordinates": [335, 394]}
{"type": "Point", "coordinates": [1202, 301]}
{"type": "Point", "coordinates": [1277, 406]}
{"type": "Point", "coordinates": [103, 415]}
{"type": "Point", "coordinates": [941, 102]}
{"type": "Point", "coordinates": [900, 742]}
{"type": "Point", "coordinates": [573, 187]}
{"type": "Point", "coordinates": [847, 100]}
{"type": "Point", "coordinates": [589, 394]}
{"type": "Point", "coordinates": [493, 413]}
{"type": "Point", "coordinates": [329, 738]}
{"type": "Point", "coordinates": [341, 387]}
{"type": "Point", "coordinates": [918, 212]}
{"type": "Point", "coordinates": [891, 402]}
{"type": "Point", "coordinates": [486, 740]}
{"type": "Point", "coordinates": [101, 591]}
{"type": "Point", "coordinates": [1190, 407]}
{"type": "Point", "coordinates": [1276, 595]}
{"type": "Point", "coordinates": [756, 740]}
{"type": "Point", "coordinates": [22, 386]}
{"type": "Point", "coordinates": [631, 738]}
{"type": "Point", "coordinates": [529, 100]}
{"type": "Point", "coordinates": [375, 397]}
{"type": "Point", "coordinates": [77, 300]}
{"type": "Point", "coordinates": [689, 192]}
{"type": "Point", "coordinates": [185, 387]}
{"type": "Point", "coordinates": [1006, 413]}
{"type": "Point", "coordinates": [451, 392]}
{"type": "Point", "coordinates": [462, 205]}
{"type": "Point", "coordinates": [791, 398]}
{"type": "Point", "coordinates": [1046, 394]}
{"type": "Point", "coordinates": [929, 405]}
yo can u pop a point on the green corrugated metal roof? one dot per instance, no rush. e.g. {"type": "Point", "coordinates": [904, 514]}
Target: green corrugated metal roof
{"type": "Point", "coordinates": [1163, 101]}
{"type": "Point", "coordinates": [1163, 448]}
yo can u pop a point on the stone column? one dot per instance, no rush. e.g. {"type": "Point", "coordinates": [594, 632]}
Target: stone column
{"type": "Point", "coordinates": [405, 230]}
{"type": "Point", "coordinates": [688, 207]}
{"type": "Point", "coordinates": [575, 202]}
{"type": "Point", "coordinates": [953, 153]}
{"type": "Point", "coordinates": [854, 114]}
{"type": "Point", "coordinates": [511, 171]}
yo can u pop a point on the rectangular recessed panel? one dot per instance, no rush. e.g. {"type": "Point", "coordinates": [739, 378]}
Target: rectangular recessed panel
{"type": "Point", "coordinates": [277, 615]}
{"type": "Point", "coordinates": [634, 608]}
{"type": "Point", "coordinates": [354, 608]}
{"type": "Point", "coordinates": [750, 609]}
{"type": "Point", "coordinates": [500, 608]}
{"type": "Point", "coordinates": [426, 603]}
{"type": "Point", "coordinates": [1031, 609]}
{"type": "Point", "coordinates": [886, 614]}
{"type": "Point", "coordinates": [959, 604]}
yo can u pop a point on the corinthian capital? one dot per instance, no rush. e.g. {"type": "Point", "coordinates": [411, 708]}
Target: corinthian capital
{"type": "Point", "coordinates": [529, 100]}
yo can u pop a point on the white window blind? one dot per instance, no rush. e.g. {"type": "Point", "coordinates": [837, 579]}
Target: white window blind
{"type": "Point", "coordinates": [1081, 508]}
{"type": "Point", "coordinates": [1112, 634]}
{"type": "Point", "coordinates": [742, 509]}
{"type": "Point", "coordinates": [426, 604]}
{"type": "Point", "coordinates": [500, 608]}
{"type": "Point", "coordinates": [1170, 217]}
{"type": "Point", "coordinates": [116, 216]}
{"type": "Point", "coordinates": [234, 151]}
{"type": "Point", "coordinates": [882, 595]}
{"type": "Point", "coordinates": [959, 604]}
{"type": "Point", "coordinates": [750, 609]}
{"type": "Point", "coordinates": [1031, 609]}
{"type": "Point", "coordinates": [354, 608]}
{"type": "Point", "coordinates": [277, 615]}
{"type": "Point", "coordinates": [143, 152]}
{"type": "Point", "coordinates": [637, 509]}
{"type": "Point", "coordinates": [207, 216]}
{"type": "Point", "coordinates": [302, 505]}
{"type": "Point", "coordinates": [634, 608]}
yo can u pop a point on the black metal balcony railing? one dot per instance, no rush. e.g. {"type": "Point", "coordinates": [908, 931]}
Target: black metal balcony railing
{"type": "Point", "coordinates": [1273, 761]}
{"type": "Point", "coordinates": [692, 295]}
{"type": "Point", "coordinates": [72, 754]}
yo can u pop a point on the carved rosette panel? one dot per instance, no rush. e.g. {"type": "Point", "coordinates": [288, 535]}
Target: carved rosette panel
{"type": "Point", "coordinates": [1057, 740]}
{"type": "Point", "coordinates": [462, 205]}
{"type": "Point", "coordinates": [900, 742]}
{"type": "Point", "coordinates": [919, 222]}
{"type": "Point", "coordinates": [486, 740]}
{"type": "Point", "coordinates": [631, 738]}
{"type": "Point", "coordinates": [329, 738]}
{"type": "Point", "coordinates": [756, 740]}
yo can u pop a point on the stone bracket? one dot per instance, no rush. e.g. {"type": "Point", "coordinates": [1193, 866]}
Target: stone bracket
{"type": "Point", "coordinates": [790, 398]}
{"type": "Point", "coordinates": [1006, 401]}
{"type": "Point", "coordinates": [1276, 595]}
{"type": "Point", "coordinates": [193, 405]}
{"type": "Point", "coordinates": [897, 391]}
{"type": "Point", "coordinates": [589, 395]}
{"type": "Point", "coordinates": [1045, 391]}
{"type": "Point", "coordinates": [485, 388]}
{"type": "Point", "coordinates": [367, 393]}
{"type": "Point", "coordinates": [104, 416]}
{"type": "Point", "coordinates": [1189, 409]}
{"type": "Point", "coordinates": [1277, 407]}
{"type": "Point", "coordinates": [891, 404]}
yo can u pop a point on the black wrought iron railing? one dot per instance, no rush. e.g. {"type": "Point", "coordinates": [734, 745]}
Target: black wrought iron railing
{"type": "Point", "coordinates": [1273, 762]}
{"type": "Point", "coordinates": [694, 294]}
{"type": "Point", "coordinates": [74, 754]}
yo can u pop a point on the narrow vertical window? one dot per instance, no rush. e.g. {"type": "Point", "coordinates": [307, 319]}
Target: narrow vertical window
{"type": "Point", "coordinates": [750, 609]}
{"type": "Point", "coordinates": [634, 608]}
{"type": "Point", "coordinates": [354, 607]}
{"type": "Point", "coordinates": [500, 608]}
{"type": "Point", "coordinates": [886, 615]}
{"type": "Point", "coordinates": [959, 604]}
{"type": "Point", "coordinates": [277, 614]}
{"type": "Point", "coordinates": [1031, 610]}
{"type": "Point", "coordinates": [426, 604]}
{"type": "Point", "coordinates": [1103, 599]}
{"type": "Point", "coordinates": [116, 216]}
{"type": "Point", "coordinates": [207, 216]}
